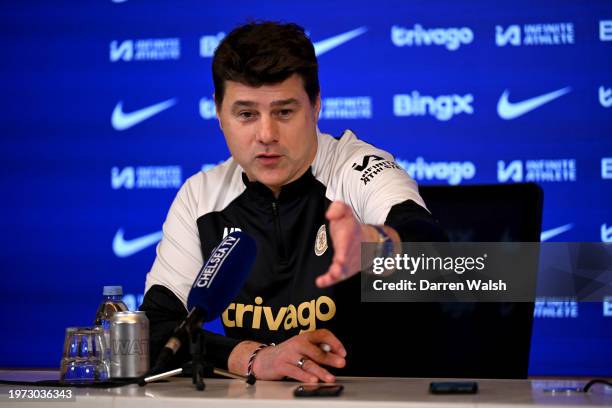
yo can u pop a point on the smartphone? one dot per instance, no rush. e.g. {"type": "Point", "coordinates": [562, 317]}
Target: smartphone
{"type": "Point", "coordinates": [318, 390]}
{"type": "Point", "coordinates": [453, 387]}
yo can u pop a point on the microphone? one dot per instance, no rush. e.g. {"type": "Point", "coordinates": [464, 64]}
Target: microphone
{"type": "Point", "coordinates": [216, 285]}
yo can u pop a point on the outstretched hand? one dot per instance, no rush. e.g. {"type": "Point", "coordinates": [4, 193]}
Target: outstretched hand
{"type": "Point", "coordinates": [346, 236]}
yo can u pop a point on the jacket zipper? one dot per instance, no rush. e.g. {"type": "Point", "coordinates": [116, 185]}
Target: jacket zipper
{"type": "Point", "coordinates": [279, 234]}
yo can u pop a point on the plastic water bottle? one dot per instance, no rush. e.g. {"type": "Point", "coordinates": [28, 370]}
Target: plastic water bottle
{"type": "Point", "coordinates": [111, 303]}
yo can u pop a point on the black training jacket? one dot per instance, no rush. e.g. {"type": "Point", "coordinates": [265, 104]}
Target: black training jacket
{"type": "Point", "coordinates": [280, 298]}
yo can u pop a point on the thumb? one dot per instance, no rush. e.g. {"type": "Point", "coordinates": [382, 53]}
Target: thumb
{"type": "Point", "coordinates": [336, 210]}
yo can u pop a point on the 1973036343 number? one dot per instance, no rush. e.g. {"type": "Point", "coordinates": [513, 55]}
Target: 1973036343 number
{"type": "Point", "coordinates": [40, 394]}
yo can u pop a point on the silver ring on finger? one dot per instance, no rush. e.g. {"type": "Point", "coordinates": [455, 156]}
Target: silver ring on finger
{"type": "Point", "coordinates": [301, 362]}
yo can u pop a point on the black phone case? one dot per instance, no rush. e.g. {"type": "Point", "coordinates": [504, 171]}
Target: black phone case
{"type": "Point", "coordinates": [318, 391]}
{"type": "Point", "coordinates": [453, 387]}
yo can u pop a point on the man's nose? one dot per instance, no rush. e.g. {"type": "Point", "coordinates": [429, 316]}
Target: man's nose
{"type": "Point", "coordinates": [267, 131]}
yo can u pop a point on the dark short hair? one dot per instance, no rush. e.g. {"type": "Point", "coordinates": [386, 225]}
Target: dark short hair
{"type": "Point", "coordinates": [259, 53]}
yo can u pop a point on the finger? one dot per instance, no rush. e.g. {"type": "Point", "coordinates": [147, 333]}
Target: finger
{"type": "Point", "coordinates": [336, 210]}
{"type": "Point", "coordinates": [341, 248]}
{"type": "Point", "coordinates": [321, 373]}
{"type": "Point", "coordinates": [345, 237]}
{"type": "Point", "coordinates": [341, 238]}
{"type": "Point", "coordinates": [314, 353]}
{"type": "Point", "coordinates": [329, 278]}
{"type": "Point", "coordinates": [325, 336]}
{"type": "Point", "coordinates": [297, 373]}
{"type": "Point", "coordinates": [324, 281]}
{"type": "Point", "coordinates": [337, 271]}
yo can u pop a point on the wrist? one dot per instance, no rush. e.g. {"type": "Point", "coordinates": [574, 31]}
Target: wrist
{"type": "Point", "coordinates": [385, 243]}
{"type": "Point", "coordinates": [369, 233]}
{"type": "Point", "coordinates": [250, 372]}
{"type": "Point", "coordinates": [238, 359]}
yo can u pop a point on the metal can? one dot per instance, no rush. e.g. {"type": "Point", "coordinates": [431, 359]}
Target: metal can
{"type": "Point", "coordinates": [129, 338]}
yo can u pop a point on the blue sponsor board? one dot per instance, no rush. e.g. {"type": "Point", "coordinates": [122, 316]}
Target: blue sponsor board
{"type": "Point", "coordinates": [108, 109]}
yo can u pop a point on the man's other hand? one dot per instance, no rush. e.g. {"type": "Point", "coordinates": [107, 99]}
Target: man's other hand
{"type": "Point", "coordinates": [283, 360]}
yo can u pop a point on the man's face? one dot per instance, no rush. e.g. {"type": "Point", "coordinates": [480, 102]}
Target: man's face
{"type": "Point", "coordinates": [270, 130]}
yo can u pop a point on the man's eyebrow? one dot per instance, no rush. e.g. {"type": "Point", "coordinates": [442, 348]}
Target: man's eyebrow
{"type": "Point", "coordinates": [283, 102]}
{"type": "Point", "coordinates": [250, 104]}
{"type": "Point", "coordinates": [246, 104]}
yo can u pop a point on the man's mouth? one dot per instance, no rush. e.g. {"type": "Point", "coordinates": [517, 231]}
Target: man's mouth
{"type": "Point", "coordinates": [268, 159]}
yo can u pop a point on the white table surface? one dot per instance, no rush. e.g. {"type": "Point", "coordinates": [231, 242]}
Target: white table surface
{"type": "Point", "coordinates": [358, 392]}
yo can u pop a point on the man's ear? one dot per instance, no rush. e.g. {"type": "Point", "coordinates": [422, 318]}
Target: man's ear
{"type": "Point", "coordinates": [317, 107]}
{"type": "Point", "coordinates": [217, 111]}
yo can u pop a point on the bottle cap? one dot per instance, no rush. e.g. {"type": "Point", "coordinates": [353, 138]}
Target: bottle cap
{"type": "Point", "coordinates": [112, 291]}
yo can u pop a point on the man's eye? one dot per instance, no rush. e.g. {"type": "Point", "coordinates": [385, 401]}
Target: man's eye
{"type": "Point", "coordinates": [245, 115]}
{"type": "Point", "coordinates": [285, 113]}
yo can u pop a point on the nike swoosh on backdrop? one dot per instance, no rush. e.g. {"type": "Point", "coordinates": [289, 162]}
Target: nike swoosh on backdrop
{"type": "Point", "coordinates": [551, 233]}
{"type": "Point", "coordinates": [123, 248]}
{"type": "Point", "coordinates": [328, 44]}
{"type": "Point", "coordinates": [512, 110]}
{"type": "Point", "coordinates": [122, 121]}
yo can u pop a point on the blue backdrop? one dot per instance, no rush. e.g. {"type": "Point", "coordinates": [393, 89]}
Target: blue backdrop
{"type": "Point", "coordinates": [107, 109]}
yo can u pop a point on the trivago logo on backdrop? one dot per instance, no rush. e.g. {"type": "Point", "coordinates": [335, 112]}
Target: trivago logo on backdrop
{"type": "Point", "coordinates": [450, 38]}
{"type": "Point", "coordinates": [453, 172]}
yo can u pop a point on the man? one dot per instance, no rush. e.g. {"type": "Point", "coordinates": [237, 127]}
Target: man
{"type": "Point", "coordinates": [308, 199]}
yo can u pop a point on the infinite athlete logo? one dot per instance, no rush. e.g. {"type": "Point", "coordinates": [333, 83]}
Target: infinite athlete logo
{"type": "Point", "coordinates": [150, 49]}
{"type": "Point", "coordinates": [357, 107]}
{"type": "Point", "coordinates": [535, 34]}
{"type": "Point", "coordinates": [562, 170]}
{"type": "Point", "coordinates": [555, 309]}
{"type": "Point", "coordinates": [366, 161]}
{"type": "Point", "coordinates": [368, 172]}
{"type": "Point", "coordinates": [146, 177]}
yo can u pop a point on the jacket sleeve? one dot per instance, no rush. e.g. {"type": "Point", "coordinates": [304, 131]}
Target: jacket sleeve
{"type": "Point", "coordinates": [179, 258]}
{"type": "Point", "coordinates": [165, 312]}
{"type": "Point", "coordinates": [414, 223]}
{"type": "Point", "coordinates": [380, 191]}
